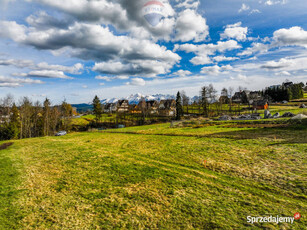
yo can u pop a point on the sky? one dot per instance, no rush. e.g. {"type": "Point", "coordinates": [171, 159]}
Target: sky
{"type": "Point", "coordinates": [75, 49]}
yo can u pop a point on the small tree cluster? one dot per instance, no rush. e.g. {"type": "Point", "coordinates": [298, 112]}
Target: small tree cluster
{"type": "Point", "coordinates": [30, 119]}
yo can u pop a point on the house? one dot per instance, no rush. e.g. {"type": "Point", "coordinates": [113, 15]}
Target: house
{"type": "Point", "coordinates": [167, 107]}
{"type": "Point", "coordinates": [149, 106]}
{"type": "Point", "coordinates": [287, 84]}
{"type": "Point", "coordinates": [135, 109]}
{"type": "Point", "coordinates": [260, 104]}
{"type": "Point", "coordinates": [110, 108]}
{"type": "Point", "coordinates": [224, 100]}
{"type": "Point", "coordinates": [240, 97]}
{"type": "Point", "coordinates": [122, 106]}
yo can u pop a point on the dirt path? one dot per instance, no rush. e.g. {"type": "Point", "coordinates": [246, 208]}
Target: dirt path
{"type": "Point", "coordinates": [6, 145]}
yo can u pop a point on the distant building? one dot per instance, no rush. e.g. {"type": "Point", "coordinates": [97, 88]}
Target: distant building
{"type": "Point", "coordinates": [110, 108]}
{"type": "Point", "coordinates": [167, 107]}
{"type": "Point", "coordinates": [240, 97]}
{"type": "Point", "coordinates": [122, 106]}
{"type": "Point", "coordinates": [287, 84]}
{"type": "Point", "coordinates": [260, 104]}
{"type": "Point", "coordinates": [149, 106]}
{"type": "Point", "coordinates": [224, 100]}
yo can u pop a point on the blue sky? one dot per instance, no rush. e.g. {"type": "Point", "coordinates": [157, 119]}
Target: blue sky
{"type": "Point", "coordinates": [75, 49]}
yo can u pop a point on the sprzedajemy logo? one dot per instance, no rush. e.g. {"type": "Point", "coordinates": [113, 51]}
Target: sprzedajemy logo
{"type": "Point", "coordinates": [273, 219]}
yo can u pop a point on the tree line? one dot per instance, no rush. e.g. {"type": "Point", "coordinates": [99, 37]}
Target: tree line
{"type": "Point", "coordinates": [27, 119]}
{"type": "Point", "coordinates": [283, 93]}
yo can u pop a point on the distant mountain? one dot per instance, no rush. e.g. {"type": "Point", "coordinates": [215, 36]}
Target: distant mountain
{"type": "Point", "coordinates": [136, 98]}
{"type": "Point", "coordinates": [133, 99]}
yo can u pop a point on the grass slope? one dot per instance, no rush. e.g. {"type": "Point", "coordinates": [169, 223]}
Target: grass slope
{"type": "Point", "coordinates": [154, 177]}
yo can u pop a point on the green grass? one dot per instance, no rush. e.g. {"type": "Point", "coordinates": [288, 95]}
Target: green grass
{"type": "Point", "coordinates": [153, 177]}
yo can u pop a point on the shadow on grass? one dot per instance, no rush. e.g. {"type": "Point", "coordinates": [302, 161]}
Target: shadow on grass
{"type": "Point", "coordinates": [9, 179]}
{"type": "Point", "coordinates": [291, 134]}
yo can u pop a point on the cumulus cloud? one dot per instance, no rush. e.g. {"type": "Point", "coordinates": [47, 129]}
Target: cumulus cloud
{"type": "Point", "coordinates": [43, 66]}
{"type": "Point", "coordinates": [191, 26]}
{"type": "Point", "coordinates": [105, 78]}
{"type": "Point", "coordinates": [137, 82]}
{"type": "Point", "coordinates": [145, 68]}
{"type": "Point", "coordinates": [95, 42]}
{"type": "Point", "coordinates": [182, 73]}
{"type": "Point", "coordinates": [216, 70]}
{"type": "Point", "coordinates": [16, 82]}
{"type": "Point", "coordinates": [187, 4]}
{"type": "Point", "coordinates": [295, 36]}
{"type": "Point", "coordinates": [42, 20]}
{"type": "Point", "coordinates": [16, 63]}
{"type": "Point", "coordinates": [223, 58]}
{"type": "Point", "coordinates": [47, 74]}
{"type": "Point", "coordinates": [12, 30]}
{"type": "Point", "coordinates": [204, 51]}
{"type": "Point", "coordinates": [255, 48]}
{"type": "Point", "coordinates": [282, 63]}
{"type": "Point", "coordinates": [75, 69]}
{"type": "Point", "coordinates": [235, 31]}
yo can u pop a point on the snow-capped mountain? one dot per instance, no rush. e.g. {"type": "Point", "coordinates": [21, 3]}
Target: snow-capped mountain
{"type": "Point", "coordinates": [136, 98]}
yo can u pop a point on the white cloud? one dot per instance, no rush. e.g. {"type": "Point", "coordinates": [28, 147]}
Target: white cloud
{"type": "Point", "coordinates": [244, 7]}
{"type": "Point", "coordinates": [16, 63]}
{"type": "Point", "coordinates": [295, 36]}
{"type": "Point", "coordinates": [204, 51]}
{"type": "Point", "coordinates": [223, 58]}
{"type": "Point", "coordinates": [12, 30]}
{"type": "Point", "coordinates": [282, 63]}
{"type": "Point", "coordinates": [235, 31]}
{"type": "Point", "coordinates": [94, 42]}
{"type": "Point", "coordinates": [182, 73]}
{"type": "Point", "coordinates": [187, 4]}
{"type": "Point", "coordinates": [272, 2]}
{"type": "Point", "coordinates": [137, 82]}
{"type": "Point", "coordinates": [17, 82]}
{"type": "Point", "coordinates": [216, 70]}
{"type": "Point", "coordinates": [191, 26]}
{"type": "Point", "coordinates": [255, 48]}
{"type": "Point", "coordinates": [48, 74]}
{"type": "Point", "coordinates": [105, 78]}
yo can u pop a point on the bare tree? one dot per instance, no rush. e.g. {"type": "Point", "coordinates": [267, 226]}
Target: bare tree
{"type": "Point", "coordinates": [185, 100]}
{"type": "Point", "coordinates": [25, 117]}
{"type": "Point", "coordinates": [6, 103]}
{"type": "Point", "coordinates": [230, 94]}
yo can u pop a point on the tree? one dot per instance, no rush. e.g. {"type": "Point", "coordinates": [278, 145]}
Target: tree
{"type": "Point", "coordinates": [185, 100]}
{"type": "Point", "coordinates": [26, 111]}
{"type": "Point", "coordinates": [204, 94]}
{"type": "Point", "coordinates": [14, 124]}
{"type": "Point", "coordinates": [224, 99]}
{"type": "Point", "coordinates": [97, 109]}
{"type": "Point", "coordinates": [66, 110]}
{"type": "Point", "coordinates": [46, 117]}
{"type": "Point", "coordinates": [10, 130]}
{"type": "Point", "coordinates": [6, 104]}
{"type": "Point", "coordinates": [179, 110]}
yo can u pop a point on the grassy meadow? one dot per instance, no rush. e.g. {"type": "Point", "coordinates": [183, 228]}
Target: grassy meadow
{"type": "Point", "coordinates": [195, 175]}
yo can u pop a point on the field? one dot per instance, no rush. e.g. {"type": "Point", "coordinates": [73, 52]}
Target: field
{"type": "Point", "coordinates": [195, 175]}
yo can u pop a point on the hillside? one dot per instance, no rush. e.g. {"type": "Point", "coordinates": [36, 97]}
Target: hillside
{"type": "Point", "coordinates": [154, 177]}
